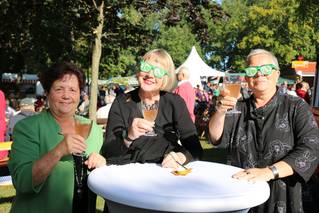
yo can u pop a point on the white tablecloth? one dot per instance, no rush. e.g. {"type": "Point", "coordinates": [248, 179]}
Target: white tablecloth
{"type": "Point", "coordinates": [208, 188]}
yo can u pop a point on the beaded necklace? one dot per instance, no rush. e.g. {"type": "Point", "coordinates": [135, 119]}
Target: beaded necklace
{"type": "Point", "coordinates": [79, 170]}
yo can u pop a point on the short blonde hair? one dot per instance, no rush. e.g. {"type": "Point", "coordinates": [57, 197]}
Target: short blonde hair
{"type": "Point", "coordinates": [265, 52]}
{"type": "Point", "coordinates": [162, 57]}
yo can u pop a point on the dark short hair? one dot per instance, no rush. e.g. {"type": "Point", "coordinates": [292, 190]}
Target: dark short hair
{"type": "Point", "coordinates": [57, 71]}
{"type": "Point", "coordinates": [299, 85]}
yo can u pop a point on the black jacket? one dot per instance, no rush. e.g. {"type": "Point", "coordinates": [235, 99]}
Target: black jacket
{"type": "Point", "coordinates": [172, 124]}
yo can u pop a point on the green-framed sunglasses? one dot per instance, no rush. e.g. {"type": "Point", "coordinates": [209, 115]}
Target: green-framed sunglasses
{"type": "Point", "coordinates": [264, 69]}
{"type": "Point", "coordinates": [157, 71]}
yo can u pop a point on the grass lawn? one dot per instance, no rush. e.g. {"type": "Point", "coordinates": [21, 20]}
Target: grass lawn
{"type": "Point", "coordinates": [7, 193]}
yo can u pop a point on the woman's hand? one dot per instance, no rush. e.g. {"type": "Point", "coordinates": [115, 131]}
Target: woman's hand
{"type": "Point", "coordinates": [254, 174]}
{"type": "Point", "coordinates": [95, 160]}
{"type": "Point", "coordinates": [225, 102]}
{"type": "Point", "coordinates": [72, 143]}
{"type": "Point", "coordinates": [171, 159]}
{"type": "Point", "coordinates": [140, 127]}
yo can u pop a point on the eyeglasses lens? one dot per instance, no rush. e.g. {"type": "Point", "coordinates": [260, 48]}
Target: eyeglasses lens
{"type": "Point", "coordinates": [265, 70]}
{"type": "Point", "coordinates": [158, 72]}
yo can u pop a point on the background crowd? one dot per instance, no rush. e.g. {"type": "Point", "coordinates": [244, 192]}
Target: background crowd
{"type": "Point", "coordinates": [205, 95]}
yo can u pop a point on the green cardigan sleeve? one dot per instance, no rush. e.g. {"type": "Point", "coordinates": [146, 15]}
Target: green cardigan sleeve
{"type": "Point", "coordinates": [25, 150]}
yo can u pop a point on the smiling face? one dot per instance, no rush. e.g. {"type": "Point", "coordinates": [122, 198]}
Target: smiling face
{"type": "Point", "coordinates": [147, 81]}
{"type": "Point", "coordinates": [260, 84]}
{"type": "Point", "coordinates": [64, 96]}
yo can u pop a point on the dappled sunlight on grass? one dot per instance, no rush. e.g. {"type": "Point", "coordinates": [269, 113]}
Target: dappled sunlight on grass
{"type": "Point", "coordinates": [7, 194]}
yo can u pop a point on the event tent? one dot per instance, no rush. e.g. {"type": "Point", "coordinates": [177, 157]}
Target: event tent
{"type": "Point", "coordinates": [198, 68]}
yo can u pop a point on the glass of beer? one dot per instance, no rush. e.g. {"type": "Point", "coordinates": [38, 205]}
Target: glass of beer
{"type": "Point", "coordinates": [80, 170]}
{"type": "Point", "coordinates": [150, 113]}
{"type": "Point", "coordinates": [232, 83]}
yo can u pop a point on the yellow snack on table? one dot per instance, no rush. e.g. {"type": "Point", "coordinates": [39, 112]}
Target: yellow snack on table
{"type": "Point", "coordinates": [182, 172]}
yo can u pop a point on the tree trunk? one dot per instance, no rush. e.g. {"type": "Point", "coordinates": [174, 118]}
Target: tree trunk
{"type": "Point", "coordinates": [96, 56]}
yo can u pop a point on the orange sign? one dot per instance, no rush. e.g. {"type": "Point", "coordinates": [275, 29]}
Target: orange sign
{"type": "Point", "coordinates": [297, 64]}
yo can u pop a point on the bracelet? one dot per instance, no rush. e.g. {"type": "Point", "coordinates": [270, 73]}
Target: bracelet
{"type": "Point", "coordinates": [274, 171]}
{"type": "Point", "coordinates": [126, 137]}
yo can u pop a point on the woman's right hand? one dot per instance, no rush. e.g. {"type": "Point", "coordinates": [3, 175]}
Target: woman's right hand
{"type": "Point", "coordinates": [72, 143]}
{"type": "Point", "coordinates": [140, 127]}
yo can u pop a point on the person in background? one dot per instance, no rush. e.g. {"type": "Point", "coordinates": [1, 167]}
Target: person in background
{"type": "Point", "coordinates": [41, 162]}
{"type": "Point", "coordinates": [198, 93]}
{"type": "Point", "coordinates": [215, 89]}
{"type": "Point", "coordinates": [3, 154]}
{"type": "Point", "coordinates": [127, 140]}
{"type": "Point", "coordinates": [39, 91]}
{"type": "Point", "coordinates": [302, 91]}
{"type": "Point", "coordinates": [283, 88]}
{"type": "Point", "coordinates": [84, 106]}
{"type": "Point", "coordinates": [292, 90]}
{"type": "Point", "coordinates": [102, 113]}
{"type": "Point", "coordinates": [275, 138]}
{"type": "Point", "coordinates": [118, 89]}
{"type": "Point", "coordinates": [186, 90]}
{"type": "Point", "coordinates": [10, 112]}
{"type": "Point", "coordinates": [13, 101]}
{"type": "Point", "coordinates": [39, 104]}
{"type": "Point", "coordinates": [26, 109]}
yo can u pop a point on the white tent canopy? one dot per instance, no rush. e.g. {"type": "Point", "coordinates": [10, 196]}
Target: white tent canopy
{"type": "Point", "coordinates": [198, 68]}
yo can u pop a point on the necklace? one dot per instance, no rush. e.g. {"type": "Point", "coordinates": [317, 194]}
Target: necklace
{"type": "Point", "coordinates": [78, 161]}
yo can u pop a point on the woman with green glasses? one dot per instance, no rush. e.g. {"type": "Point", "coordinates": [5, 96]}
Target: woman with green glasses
{"type": "Point", "coordinates": [132, 135]}
{"type": "Point", "coordinates": [275, 137]}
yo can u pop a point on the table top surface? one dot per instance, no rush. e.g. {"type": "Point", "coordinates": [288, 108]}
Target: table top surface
{"type": "Point", "coordinates": [208, 188]}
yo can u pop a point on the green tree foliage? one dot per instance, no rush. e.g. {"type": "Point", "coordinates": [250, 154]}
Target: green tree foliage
{"type": "Point", "coordinates": [273, 25]}
{"type": "Point", "coordinates": [135, 27]}
{"type": "Point", "coordinates": [37, 33]}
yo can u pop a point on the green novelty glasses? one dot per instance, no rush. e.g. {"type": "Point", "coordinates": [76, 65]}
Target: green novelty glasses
{"type": "Point", "coordinates": [157, 71]}
{"type": "Point", "coordinates": [265, 70]}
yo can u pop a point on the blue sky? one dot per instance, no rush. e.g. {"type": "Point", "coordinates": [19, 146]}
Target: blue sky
{"type": "Point", "coordinates": [219, 1]}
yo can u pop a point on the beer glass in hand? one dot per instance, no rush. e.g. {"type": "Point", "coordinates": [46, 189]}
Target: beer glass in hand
{"type": "Point", "coordinates": [80, 170]}
{"type": "Point", "coordinates": [150, 113]}
{"type": "Point", "coordinates": [232, 83]}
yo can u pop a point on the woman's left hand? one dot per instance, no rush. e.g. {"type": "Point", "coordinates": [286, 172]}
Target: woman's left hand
{"type": "Point", "coordinates": [171, 159]}
{"type": "Point", "coordinates": [95, 160]}
{"type": "Point", "coordinates": [254, 174]}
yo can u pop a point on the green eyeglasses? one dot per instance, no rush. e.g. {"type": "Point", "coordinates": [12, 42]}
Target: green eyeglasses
{"type": "Point", "coordinates": [264, 69]}
{"type": "Point", "coordinates": [157, 71]}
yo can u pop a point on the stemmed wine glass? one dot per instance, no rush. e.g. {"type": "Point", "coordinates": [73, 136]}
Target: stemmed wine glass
{"type": "Point", "coordinates": [80, 170]}
{"type": "Point", "coordinates": [149, 113]}
{"type": "Point", "coordinates": [232, 83]}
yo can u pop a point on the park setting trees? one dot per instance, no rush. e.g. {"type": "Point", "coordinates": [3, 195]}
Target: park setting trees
{"type": "Point", "coordinates": [33, 34]}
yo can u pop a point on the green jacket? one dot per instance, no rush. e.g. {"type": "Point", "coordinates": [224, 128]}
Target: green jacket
{"type": "Point", "coordinates": [33, 137]}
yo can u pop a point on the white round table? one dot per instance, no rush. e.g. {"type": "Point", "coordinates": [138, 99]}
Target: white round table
{"type": "Point", "coordinates": [143, 188]}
